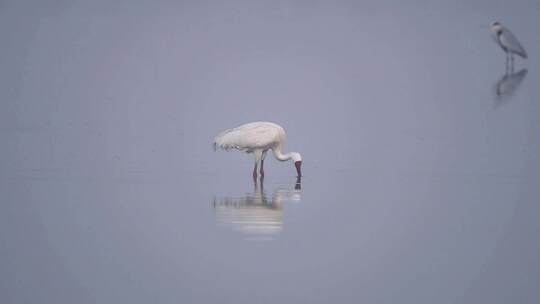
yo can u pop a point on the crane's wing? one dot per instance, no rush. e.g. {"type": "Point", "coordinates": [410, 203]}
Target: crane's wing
{"type": "Point", "coordinates": [511, 43]}
{"type": "Point", "coordinates": [247, 137]}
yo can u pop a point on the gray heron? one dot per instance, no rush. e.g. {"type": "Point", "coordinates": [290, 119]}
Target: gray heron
{"type": "Point", "coordinates": [507, 41]}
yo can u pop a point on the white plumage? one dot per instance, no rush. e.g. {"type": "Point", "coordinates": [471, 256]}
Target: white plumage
{"type": "Point", "coordinates": [250, 136]}
{"type": "Point", "coordinates": [257, 138]}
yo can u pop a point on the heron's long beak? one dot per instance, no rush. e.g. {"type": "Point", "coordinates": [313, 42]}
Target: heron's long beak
{"type": "Point", "coordinates": [298, 166]}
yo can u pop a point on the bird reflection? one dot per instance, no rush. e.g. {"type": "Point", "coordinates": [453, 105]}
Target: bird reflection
{"type": "Point", "coordinates": [258, 216]}
{"type": "Point", "coordinates": [508, 84]}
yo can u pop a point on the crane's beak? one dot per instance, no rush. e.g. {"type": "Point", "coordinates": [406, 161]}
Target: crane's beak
{"type": "Point", "coordinates": [298, 166]}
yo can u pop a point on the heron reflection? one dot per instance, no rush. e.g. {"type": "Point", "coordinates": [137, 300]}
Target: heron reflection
{"type": "Point", "coordinates": [256, 214]}
{"type": "Point", "coordinates": [508, 85]}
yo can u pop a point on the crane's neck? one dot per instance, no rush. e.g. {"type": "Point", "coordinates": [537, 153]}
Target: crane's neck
{"type": "Point", "coordinates": [295, 156]}
{"type": "Point", "coordinates": [280, 155]}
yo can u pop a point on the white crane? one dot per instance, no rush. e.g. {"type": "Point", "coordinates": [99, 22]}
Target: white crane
{"type": "Point", "coordinates": [507, 41]}
{"type": "Point", "coordinates": [257, 138]}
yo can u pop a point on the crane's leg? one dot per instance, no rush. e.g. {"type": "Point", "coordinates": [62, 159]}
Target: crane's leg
{"type": "Point", "coordinates": [255, 186]}
{"type": "Point", "coordinates": [262, 163]}
{"type": "Point", "coordinates": [262, 170]}
{"type": "Point", "coordinates": [255, 173]}
{"type": "Point", "coordinates": [258, 156]}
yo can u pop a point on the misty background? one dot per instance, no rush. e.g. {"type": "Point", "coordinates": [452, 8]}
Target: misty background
{"type": "Point", "coordinates": [420, 183]}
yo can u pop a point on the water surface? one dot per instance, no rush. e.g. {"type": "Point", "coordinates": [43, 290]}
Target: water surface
{"type": "Point", "coordinates": [421, 153]}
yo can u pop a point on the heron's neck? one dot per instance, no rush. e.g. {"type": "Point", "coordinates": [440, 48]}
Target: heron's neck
{"type": "Point", "coordinates": [279, 155]}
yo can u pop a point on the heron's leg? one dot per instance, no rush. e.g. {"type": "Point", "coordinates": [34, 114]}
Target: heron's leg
{"type": "Point", "coordinates": [507, 64]}
{"type": "Point", "coordinates": [255, 173]}
{"type": "Point", "coordinates": [511, 63]}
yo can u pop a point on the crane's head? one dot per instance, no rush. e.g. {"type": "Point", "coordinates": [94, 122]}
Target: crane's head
{"type": "Point", "coordinates": [495, 27]}
{"type": "Point", "coordinates": [297, 159]}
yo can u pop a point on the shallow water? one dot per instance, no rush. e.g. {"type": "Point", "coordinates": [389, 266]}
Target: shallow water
{"type": "Point", "coordinates": [421, 154]}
